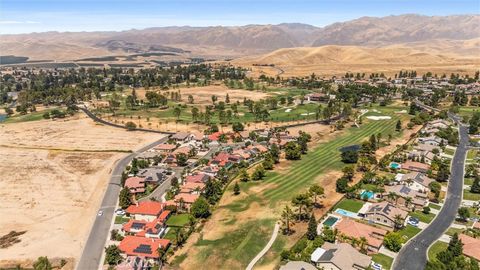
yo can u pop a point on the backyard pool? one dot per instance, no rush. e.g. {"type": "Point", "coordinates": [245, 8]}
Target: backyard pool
{"type": "Point", "coordinates": [330, 221]}
{"type": "Point", "coordinates": [367, 194]}
{"type": "Point", "coordinates": [395, 165]}
{"type": "Point", "coordinates": [346, 213]}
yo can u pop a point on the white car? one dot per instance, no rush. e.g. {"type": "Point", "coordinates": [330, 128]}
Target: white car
{"type": "Point", "coordinates": [120, 212]}
{"type": "Point", "coordinates": [100, 213]}
{"type": "Point", "coordinates": [376, 266]}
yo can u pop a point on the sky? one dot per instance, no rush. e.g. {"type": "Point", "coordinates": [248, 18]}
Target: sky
{"type": "Point", "coordinates": [26, 16]}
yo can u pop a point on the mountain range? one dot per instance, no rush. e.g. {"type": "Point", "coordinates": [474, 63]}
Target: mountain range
{"type": "Point", "coordinates": [235, 41]}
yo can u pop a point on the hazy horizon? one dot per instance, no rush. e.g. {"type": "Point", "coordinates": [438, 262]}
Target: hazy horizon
{"type": "Point", "coordinates": [30, 16]}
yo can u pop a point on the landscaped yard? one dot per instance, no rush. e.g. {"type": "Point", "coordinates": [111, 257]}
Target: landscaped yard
{"type": "Point", "coordinates": [449, 151]}
{"type": "Point", "coordinates": [179, 220]}
{"type": "Point", "coordinates": [434, 206]}
{"type": "Point", "coordinates": [436, 248]}
{"type": "Point", "coordinates": [408, 232]}
{"type": "Point", "coordinates": [121, 220]}
{"type": "Point", "coordinates": [468, 181]}
{"type": "Point", "coordinates": [350, 205]}
{"type": "Point", "coordinates": [422, 216]}
{"type": "Point", "coordinates": [452, 231]}
{"type": "Point", "coordinates": [471, 154]}
{"type": "Point", "coordinates": [384, 260]}
{"type": "Point", "coordinates": [467, 195]}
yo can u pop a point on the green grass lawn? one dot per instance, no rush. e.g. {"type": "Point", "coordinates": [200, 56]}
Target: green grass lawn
{"type": "Point", "coordinates": [34, 116]}
{"type": "Point", "coordinates": [471, 154]}
{"type": "Point", "coordinates": [384, 260]}
{"type": "Point", "coordinates": [229, 248]}
{"type": "Point", "coordinates": [170, 235]}
{"type": "Point", "coordinates": [468, 181]}
{"type": "Point", "coordinates": [434, 206]}
{"type": "Point", "coordinates": [179, 220]}
{"type": "Point", "coordinates": [452, 231]}
{"type": "Point", "coordinates": [408, 232]}
{"type": "Point", "coordinates": [449, 151]}
{"type": "Point", "coordinates": [436, 248]}
{"type": "Point", "coordinates": [121, 220]}
{"type": "Point", "coordinates": [467, 195]}
{"type": "Point", "coordinates": [422, 216]}
{"type": "Point", "coordinates": [350, 205]}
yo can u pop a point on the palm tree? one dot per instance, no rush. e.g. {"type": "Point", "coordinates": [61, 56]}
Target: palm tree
{"type": "Point", "coordinates": [287, 219]}
{"type": "Point", "coordinates": [408, 201]}
{"type": "Point", "coordinates": [354, 241]}
{"type": "Point", "coordinates": [162, 256]}
{"type": "Point", "coordinates": [301, 201]}
{"type": "Point", "coordinates": [398, 222]}
{"type": "Point", "coordinates": [409, 182]}
{"type": "Point", "coordinates": [362, 244]}
{"type": "Point", "coordinates": [392, 196]}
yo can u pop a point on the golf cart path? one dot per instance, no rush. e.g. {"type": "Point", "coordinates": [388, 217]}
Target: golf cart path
{"type": "Point", "coordinates": [266, 248]}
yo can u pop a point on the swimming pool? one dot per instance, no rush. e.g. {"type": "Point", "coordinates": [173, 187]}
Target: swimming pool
{"type": "Point", "coordinates": [368, 194]}
{"type": "Point", "coordinates": [346, 213]}
{"type": "Point", "coordinates": [395, 165]}
{"type": "Point", "coordinates": [330, 221]}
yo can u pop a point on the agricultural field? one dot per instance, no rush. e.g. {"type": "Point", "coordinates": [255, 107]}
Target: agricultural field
{"type": "Point", "coordinates": [248, 219]}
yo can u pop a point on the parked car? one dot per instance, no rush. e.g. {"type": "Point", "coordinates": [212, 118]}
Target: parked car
{"type": "Point", "coordinates": [120, 212]}
{"type": "Point", "coordinates": [413, 221]}
{"type": "Point", "coordinates": [376, 266]}
{"type": "Point", "coordinates": [100, 213]}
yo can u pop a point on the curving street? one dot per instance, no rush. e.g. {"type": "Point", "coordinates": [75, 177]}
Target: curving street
{"type": "Point", "coordinates": [413, 255]}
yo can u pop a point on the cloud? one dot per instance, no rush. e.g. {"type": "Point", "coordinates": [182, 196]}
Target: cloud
{"type": "Point", "coordinates": [19, 22]}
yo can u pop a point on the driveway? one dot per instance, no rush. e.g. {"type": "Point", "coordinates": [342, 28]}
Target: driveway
{"type": "Point", "coordinates": [413, 255]}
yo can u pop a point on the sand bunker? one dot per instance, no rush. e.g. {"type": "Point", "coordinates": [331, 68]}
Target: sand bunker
{"type": "Point", "coordinates": [375, 118]}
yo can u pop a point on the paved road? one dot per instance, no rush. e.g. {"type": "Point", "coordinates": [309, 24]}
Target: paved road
{"type": "Point", "coordinates": [92, 251]}
{"type": "Point", "coordinates": [266, 248]}
{"type": "Point", "coordinates": [413, 255]}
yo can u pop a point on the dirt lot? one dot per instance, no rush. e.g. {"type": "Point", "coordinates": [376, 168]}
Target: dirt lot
{"type": "Point", "coordinates": [53, 175]}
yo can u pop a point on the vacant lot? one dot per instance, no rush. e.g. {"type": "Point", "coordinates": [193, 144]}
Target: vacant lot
{"type": "Point", "coordinates": [53, 175]}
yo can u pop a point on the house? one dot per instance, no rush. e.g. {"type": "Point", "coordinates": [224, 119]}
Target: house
{"type": "Point", "coordinates": [224, 159]}
{"type": "Point", "coordinates": [150, 229]}
{"type": "Point", "coordinates": [418, 199]}
{"type": "Point", "coordinates": [192, 187]}
{"type": "Point", "coordinates": [197, 178]}
{"type": "Point", "coordinates": [417, 181]}
{"type": "Point", "coordinates": [215, 136]}
{"type": "Point", "coordinates": [352, 229]}
{"type": "Point", "coordinates": [419, 155]}
{"type": "Point", "coordinates": [198, 137]}
{"type": "Point", "coordinates": [135, 184]}
{"type": "Point", "coordinates": [181, 137]}
{"type": "Point", "coordinates": [146, 210]}
{"type": "Point", "coordinates": [438, 123]}
{"type": "Point", "coordinates": [297, 265]}
{"type": "Point", "coordinates": [258, 148]}
{"type": "Point", "coordinates": [183, 150]}
{"type": "Point", "coordinates": [185, 200]}
{"type": "Point", "coordinates": [432, 140]}
{"type": "Point", "coordinates": [471, 246]}
{"type": "Point", "coordinates": [425, 147]}
{"type": "Point", "coordinates": [165, 148]}
{"type": "Point", "coordinates": [384, 213]}
{"type": "Point", "coordinates": [415, 166]}
{"type": "Point", "coordinates": [339, 257]}
{"type": "Point", "coordinates": [317, 97]}
{"type": "Point", "coordinates": [144, 247]}
{"type": "Point", "coordinates": [153, 175]}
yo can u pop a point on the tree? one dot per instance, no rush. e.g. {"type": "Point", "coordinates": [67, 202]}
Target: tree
{"type": "Point", "coordinates": [195, 114]}
{"type": "Point", "coordinates": [435, 187]}
{"type": "Point", "coordinates": [237, 126]}
{"type": "Point", "coordinates": [398, 222]}
{"type": "Point", "coordinates": [475, 188]}
{"type": "Point", "coordinates": [287, 219]}
{"type": "Point", "coordinates": [328, 234]}
{"type": "Point", "coordinates": [398, 126]}
{"type": "Point", "coordinates": [177, 112]}
{"type": "Point", "coordinates": [393, 241]}
{"type": "Point", "coordinates": [112, 255]}
{"type": "Point", "coordinates": [349, 156]}
{"type": "Point", "coordinates": [42, 263]}
{"type": "Point", "coordinates": [227, 99]}
{"type": "Point", "coordinates": [259, 173]}
{"type": "Point", "coordinates": [181, 159]}
{"type": "Point", "coordinates": [124, 198]}
{"type": "Point", "coordinates": [200, 208]}
{"type": "Point", "coordinates": [244, 175]}
{"type": "Point", "coordinates": [348, 172]}
{"type": "Point", "coordinates": [312, 228]}
{"type": "Point", "coordinates": [236, 189]}
{"type": "Point", "coordinates": [443, 172]}
{"type": "Point", "coordinates": [301, 201]}
{"type": "Point", "coordinates": [190, 99]}
{"type": "Point", "coordinates": [426, 210]}
{"type": "Point", "coordinates": [130, 126]}
{"type": "Point", "coordinates": [316, 191]}
{"type": "Point", "coordinates": [292, 151]}
{"type": "Point", "coordinates": [162, 256]}
{"type": "Point", "coordinates": [463, 213]}
{"type": "Point", "coordinates": [342, 185]}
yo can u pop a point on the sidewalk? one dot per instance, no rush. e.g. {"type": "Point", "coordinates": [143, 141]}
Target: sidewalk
{"type": "Point", "coordinates": [383, 250]}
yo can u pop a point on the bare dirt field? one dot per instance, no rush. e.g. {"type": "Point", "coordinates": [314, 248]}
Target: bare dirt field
{"type": "Point", "coordinates": [53, 176]}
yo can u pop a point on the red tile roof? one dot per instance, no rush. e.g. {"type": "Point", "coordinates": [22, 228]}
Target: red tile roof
{"type": "Point", "coordinates": [164, 216]}
{"type": "Point", "coordinates": [415, 166]}
{"type": "Point", "coordinates": [214, 136]}
{"type": "Point", "coordinates": [193, 186]}
{"type": "Point", "coordinates": [187, 197]}
{"type": "Point", "coordinates": [198, 178]}
{"type": "Point", "coordinates": [135, 182]}
{"type": "Point", "coordinates": [355, 229]}
{"type": "Point", "coordinates": [471, 246]}
{"type": "Point", "coordinates": [150, 208]}
{"type": "Point", "coordinates": [165, 147]}
{"type": "Point", "coordinates": [141, 246]}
